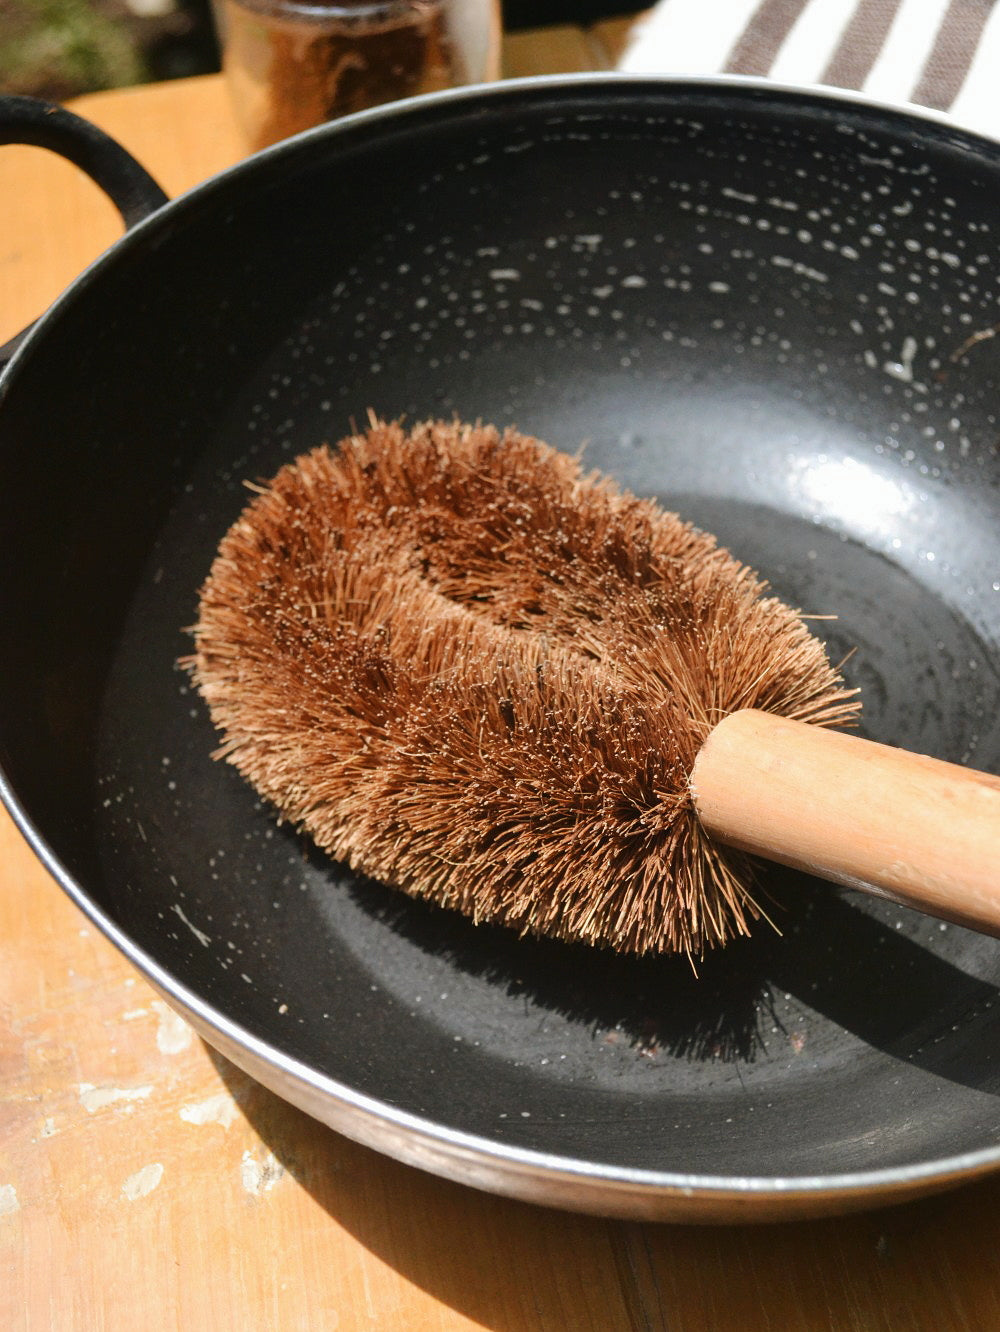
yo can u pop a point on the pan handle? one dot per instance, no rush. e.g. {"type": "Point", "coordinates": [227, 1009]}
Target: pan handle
{"type": "Point", "coordinates": [128, 185]}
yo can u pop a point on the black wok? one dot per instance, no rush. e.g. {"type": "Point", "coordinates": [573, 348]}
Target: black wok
{"type": "Point", "coordinates": [775, 311]}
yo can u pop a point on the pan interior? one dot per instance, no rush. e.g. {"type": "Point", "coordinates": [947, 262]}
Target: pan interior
{"type": "Point", "coordinates": [772, 314]}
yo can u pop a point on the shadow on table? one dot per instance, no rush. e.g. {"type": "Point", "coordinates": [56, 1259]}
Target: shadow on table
{"type": "Point", "coordinates": [511, 1266]}
{"type": "Point", "coordinates": [490, 1259]}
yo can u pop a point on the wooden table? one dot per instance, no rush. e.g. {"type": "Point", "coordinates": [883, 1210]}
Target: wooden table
{"type": "Point", "coordinates": [141, 1188]}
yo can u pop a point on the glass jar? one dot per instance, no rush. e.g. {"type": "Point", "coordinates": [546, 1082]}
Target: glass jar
{"type": "Point", "coordinates": [291, 65]}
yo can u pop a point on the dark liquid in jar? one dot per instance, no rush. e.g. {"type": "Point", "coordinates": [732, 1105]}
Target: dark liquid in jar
{"type": "Point", "coordinates": [293, 67]}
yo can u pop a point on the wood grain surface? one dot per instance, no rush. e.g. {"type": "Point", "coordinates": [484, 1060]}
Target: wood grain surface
{"type": "Point", "coordinates": [146, 1183]}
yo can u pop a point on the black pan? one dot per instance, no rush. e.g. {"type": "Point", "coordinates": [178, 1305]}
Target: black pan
{"type": "Point", "coordinates": [775, 311]}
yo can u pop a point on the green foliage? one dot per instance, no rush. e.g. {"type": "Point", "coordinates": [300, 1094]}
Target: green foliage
{"type": "Point", "coordinates": [59, 48]}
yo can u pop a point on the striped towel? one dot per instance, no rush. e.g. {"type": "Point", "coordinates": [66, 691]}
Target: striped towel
{"type": "Point", "coordinates": [943, 54]}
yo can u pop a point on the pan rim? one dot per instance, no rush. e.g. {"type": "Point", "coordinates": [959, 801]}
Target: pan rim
{"type": "Point", "coordinates": [516, 1170]}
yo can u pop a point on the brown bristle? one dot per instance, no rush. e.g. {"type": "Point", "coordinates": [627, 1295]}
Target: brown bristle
{"type": "Point", "coordinates": [472, 671]}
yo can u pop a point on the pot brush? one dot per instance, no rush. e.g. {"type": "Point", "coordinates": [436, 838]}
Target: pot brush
{"type": "Point", "coordinates": [472, 671]}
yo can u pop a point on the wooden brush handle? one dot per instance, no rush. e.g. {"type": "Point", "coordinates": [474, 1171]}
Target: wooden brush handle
{"type": "Point", "coordinates": [914, 829]}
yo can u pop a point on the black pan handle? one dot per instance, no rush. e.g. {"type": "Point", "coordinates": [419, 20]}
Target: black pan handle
{"type": "Point", "coordinates": [128, 185]}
